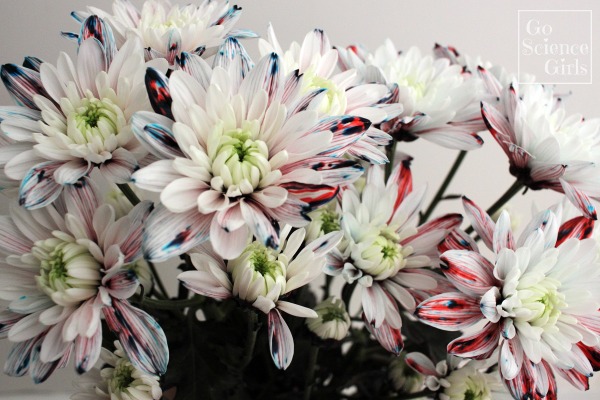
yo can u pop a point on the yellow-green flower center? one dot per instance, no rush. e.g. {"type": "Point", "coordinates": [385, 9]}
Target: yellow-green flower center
{"type": "Point", "coordinates": [257, 271]}
{"type": "Point", "coordinates": [329, 222]}
{"type": "Point", "coordinates": [541, 302]}
{"type": "Point", "coordinates": [240, 160]}
{"type": "Point", "coordinates": [334, 102]}
{"type": "Point", "coordinates": [385, 256]}
{"type": "Point", "coordinates": [95, 120]}
{"type": "Point", "coordinates": [68, 273]}
{"type": "Point", "coordinates": [122, 376]}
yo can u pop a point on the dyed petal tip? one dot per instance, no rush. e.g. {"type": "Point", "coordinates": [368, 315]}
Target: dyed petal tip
{"type": "Point", "coordinates": [157, 86]}
{"type": "Point", "coordinates": [281, 341]}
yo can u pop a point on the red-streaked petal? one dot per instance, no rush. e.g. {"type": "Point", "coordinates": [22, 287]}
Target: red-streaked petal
{"type": "Point", "coordinates": [94, 27]}
{"type": "Point", "coordinates": [346, 130]}
{"type": "Point", "coordinates": [592, 354]}
{"type": "Point", "coordinates": [577, 379]}
{"type": "Point", "coordinates": [445, 222]}
{"type": "Point", "coordinates": [421, 364]}
{"type": "Point", "coordinates": [458, 240]}
{"type": "Point", "coordinates": [142, 338]}
{"type": "Point", "coordinates": [579, 199]}
{"type": "Point", "coordinates": [313, 195]}
{"type": "Point", "coordinates": [281, 341]}
{"type": "Point", "coordinates": [578, 227]}
{"type": "Point", "coordinates": [333, 171]}
{"type": "Point", "coordinates": [169, 234]}
{"type": "Point", "coordinates": [82, 202]}
{"type": "Point", "coordinates": [469, 271]}
{"type": "Point", "coordinates": [122, 284]}
{"type": "Point", "coordinates": [402, 176]}
{"type": "Point", "coordinates": [157, 86]}
{"type": "Point", "coordinates": [499, 127]}
{"type": "Point", "coordinates": [389, 338]}
{"type": "Point", "coordinates": [87, 351]}
{"type": "Point", "coordinates": [482, 223]}
{"type": "Point", "coordinates": [479, 345]}
{"type": "Point", "coordinates": [449, 311]}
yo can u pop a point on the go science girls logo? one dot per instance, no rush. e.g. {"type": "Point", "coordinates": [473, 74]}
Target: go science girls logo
{"type": "Point", "coordinates": [555, 45]}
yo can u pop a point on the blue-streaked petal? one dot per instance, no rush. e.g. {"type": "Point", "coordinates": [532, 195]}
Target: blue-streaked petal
{"type": "Point", "coordinates": [33, 63]}
{"type": "Point", "coordinates": [87, 351]}
{"type": "Point", "coordinates": [196, 67]}
{"type": "Point", "coordinates": [281, 341]}
{"type": "Point", "coordinates": [169, 234]}
{"type": "Point", "coordinates": [22, 84]}
{"type": "Point", "coordinates": [261, 224]}
{"type": "Point", "coordinates": [154, 132]}
{"type": "Point", "coordinates": [232, 51]}
{"type": "Point", "coordinates": [142, 338]}
{"type": "Point", "coordinates": [19, 359]}
{"type": "Point", "coordinates": [266, 76]}
{"type": "Point", "coordinates": [346, 130]}
{"type": "Point", "coordinates": [38, 188]}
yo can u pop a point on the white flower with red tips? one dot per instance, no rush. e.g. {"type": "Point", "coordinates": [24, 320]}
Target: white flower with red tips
{"type": "Point", "coordinates": [439, 103]}
{"type": "Point", "coordinates": [539, 300]}
{"type": "Point", "coordinates": [74, 117]}
{"type": "Point", "coordinates": [167, 30]}
{"type": "Point", "coordinates": [239, 153]}
{"type": "Point", "coordinates": [263, 276]}
{"type": "Point", "coordinates": [384, 249]}
{"type": "Point", "coordinates": [65, 266]}
{"type": "Point", "coordinates": [337, 92]}
{"type": "Point", "coordinates": [546, 148]}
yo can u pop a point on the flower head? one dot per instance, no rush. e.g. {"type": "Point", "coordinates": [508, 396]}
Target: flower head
{"type": "Point", "coordinates": [240, 152]}
{"type": "Point", "coordinates": [384, 249]}
{"type": "Point", "coordinates": [332, 320]}
{"type": "Point", "coordinates": [261, 276]}
{"type": "Point", "coordinates": [455, 379]}
{"type": "Point", "coordinates": [546, 148]}
{"type": "Point", "coordinates": [167, 30]}
{"type": "Point", "coordinates": [538, 297]}
{"type": "Point", "coordinates": [118, 379]}
{"type": "Point", "coordinates": [65, 266]}
{"type": "Point", "coordinates": [439, 102]}
{"type": "Point", "coordinates": [74, 118]}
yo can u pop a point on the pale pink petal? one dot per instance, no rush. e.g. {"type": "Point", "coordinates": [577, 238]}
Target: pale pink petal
{"type": "Point", "coordinates": [281, 341]}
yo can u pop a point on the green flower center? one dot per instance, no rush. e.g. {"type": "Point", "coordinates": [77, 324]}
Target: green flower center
{"type": "Point", "coordinates": [122, 377]}
{"type": "Point", "coordinates": [543, 301]}
{"type": "Point", "coordinates": [385, 256]}
{"type": "Point", "coordinates": [329, 222]}
{"type": "Point", "coordinates": [95, 120]}
{"type": "Point", "coordinates": [257, 271]}
{"type": "Point", "coordinates": [334, 101]}
{"type": "Point", "coordinates": [240, 160]}
{"type": "Point", "coordinates": [68, 273]}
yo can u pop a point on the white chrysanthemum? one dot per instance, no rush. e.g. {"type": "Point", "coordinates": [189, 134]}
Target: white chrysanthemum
{"type": "Point", "coordinates": [76, 119]}
{"type": "Point", "coordinates": [546, 148]}
{"type": "Point", "coordinates": [336, 92]}
{"type": "Point", "coordinates": [242, 154]}
{"type": "Point", "coordinates": [118, 380]}
{"type": "Point", "coordinates": [168, 29]}
{"type": "Point", "coordinates": [332, 320]}
{"type": "Point", "coordinates": [324, 220]}
{"type": "Point", "coordinates": [263, 276]}
{"type": "Point", "coordinates": [439, 103]}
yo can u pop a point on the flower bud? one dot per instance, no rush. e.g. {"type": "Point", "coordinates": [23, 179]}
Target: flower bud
{"type": "Point", "coordinates": [333, 320]}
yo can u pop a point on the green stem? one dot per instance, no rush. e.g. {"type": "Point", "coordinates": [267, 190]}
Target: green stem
{"type": "Point", "coordinates": [310, 375]}
{"type": "Point", "coordinates": [509, 194]}
{"type": "Point", "coordinates": [440, 193]}
{"type": "Point", "coordinates": [391, 154]}
{"type": "Point", "coordinates": [129, 193]}
{"type": "Point", "coordinates": [172, 304]}
{"type": "Point", "coordinates": [347, 294]}
{"type": "Point", "coordinates": [157, 280]}
{"type": "Point", "coordinates": [250, 338]}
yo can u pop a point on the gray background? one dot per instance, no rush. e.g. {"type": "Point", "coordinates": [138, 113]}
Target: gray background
{"type": "Point", "coordinates": [486, 28]}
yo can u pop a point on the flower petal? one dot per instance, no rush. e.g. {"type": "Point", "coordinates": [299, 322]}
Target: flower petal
{"type": "Point", "coordinates": [479, 345]}
{"type": "Point", "coordinates": [482, 223]}
{"type": "Point", "coordinates": [469, 271]}
{"type": "Point", "coordinates": [389, 338]}
{"type": "Point", "coordinates": [449, 311]}
{"type": "Point", "coordinates": [157, 86]}
{"type": "Point", "coordinates": [142, 338]}
{"type": "Point", "coordinates": [281, 341]}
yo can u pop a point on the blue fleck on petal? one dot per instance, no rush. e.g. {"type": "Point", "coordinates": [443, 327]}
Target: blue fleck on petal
{"type": "Point", "coordinates": [39, 370]}
{"type": "Point", "coordinates": [243, 34]}
{"type": "Point", "coordinates": [22, 84]}
{"type": "Point", "coordinates": [32, 63]}
{"type": "Point", "coordinates": [142, 338]}
{"type": "Point", "coordinates": [154, 133]}
{"type": "Point", "coordinates": [70, 36]}
{"type": "Point", "coordinates": [232, 51]}
{"type": "Point", "coordinates": [94, 27]}
{"type": "Point", "coordinates": [77, 16]}
{"type": "Point", "coordinates": [19, 359]}
{"type": "Point", "coordinates": [157, 86]}
{"type": "Point", "coordinates": [87, 351]}
{"type": "Point", "coordinates": [281, 341]}
{"type": "Point", "coordinates": [229, 17]}
{"type": "Point", "coordinates": [38, 188]}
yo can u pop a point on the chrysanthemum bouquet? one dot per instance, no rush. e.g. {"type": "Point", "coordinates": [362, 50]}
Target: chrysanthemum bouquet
{"type": "Point", "coordinates": [276, 189]}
